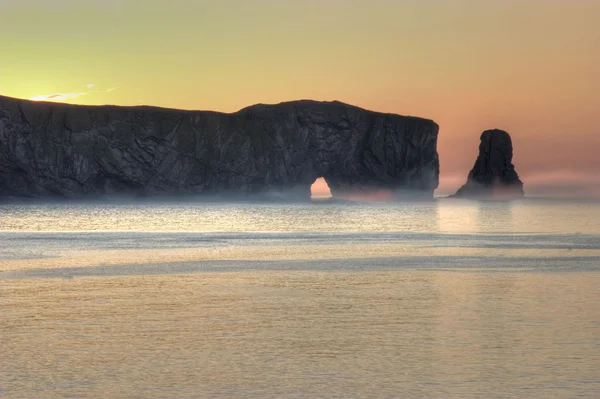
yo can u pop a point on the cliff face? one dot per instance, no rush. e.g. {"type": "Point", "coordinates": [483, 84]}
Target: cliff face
{"type": "Point", "coordinates": [493, 176]}
{"type": "Point", "coordinates": [62, 150]}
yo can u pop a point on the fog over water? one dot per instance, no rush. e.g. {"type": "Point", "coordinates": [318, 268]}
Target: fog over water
{"type": "Point", "coordinates": [446, 298]}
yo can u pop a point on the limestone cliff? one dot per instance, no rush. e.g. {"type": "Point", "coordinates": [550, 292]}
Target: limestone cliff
{"type": "Point", "coordinates": [493, 176]}
{"type": "Point", "coordinates": [60, 150]}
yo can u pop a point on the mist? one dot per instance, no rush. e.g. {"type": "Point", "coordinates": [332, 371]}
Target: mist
{"type": "Point", "coordinates": [554, 184]}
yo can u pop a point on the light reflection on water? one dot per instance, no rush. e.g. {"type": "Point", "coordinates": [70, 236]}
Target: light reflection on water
{"type": "Point", "coordinates": [446, 216]}
{"type": "Point", "coordinates": [440, 299]}
{"type": "Point", "coordinates": [303, 334]}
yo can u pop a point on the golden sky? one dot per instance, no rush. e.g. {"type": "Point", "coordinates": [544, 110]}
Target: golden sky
{"type": "Point", "coordinates": [527, 66]}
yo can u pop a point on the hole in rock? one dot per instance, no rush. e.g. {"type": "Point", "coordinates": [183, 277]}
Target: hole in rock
{"type": "Point", "coordinates": [320, 189]}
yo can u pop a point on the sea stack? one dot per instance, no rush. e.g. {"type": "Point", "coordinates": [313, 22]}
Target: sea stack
{"type": "Point", "coordinates": [265, 151]}
{"type": "Point", "coordinates": [493, 176]}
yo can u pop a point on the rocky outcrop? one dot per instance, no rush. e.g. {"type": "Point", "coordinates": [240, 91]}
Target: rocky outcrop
{"type": "Point", "coordinates": [61, 150]}
{"type": "Point", "coordinates": [493, 176]}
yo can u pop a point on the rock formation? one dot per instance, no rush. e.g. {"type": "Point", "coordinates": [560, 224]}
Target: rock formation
{"type": "Point", "coordinates": [72, 151]}
{"type": "Point", "coordinates": [493, 176]}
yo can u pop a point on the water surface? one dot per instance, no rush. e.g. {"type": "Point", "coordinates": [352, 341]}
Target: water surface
{"type": "Point", "coordinates": [440, 299]}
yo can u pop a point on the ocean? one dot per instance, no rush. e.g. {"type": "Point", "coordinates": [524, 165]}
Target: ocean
{"type": "Point", "coordinates": [447, 298]}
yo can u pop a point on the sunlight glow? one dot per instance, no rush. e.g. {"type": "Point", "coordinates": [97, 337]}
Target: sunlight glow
{"type": "Point", "coordinates": [57, 97]}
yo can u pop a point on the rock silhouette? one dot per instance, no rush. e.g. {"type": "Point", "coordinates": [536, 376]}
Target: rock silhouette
{"type": "Point", "coordinates": [493, 176]}
{"type": "Point", "coordinates": [72, 151]}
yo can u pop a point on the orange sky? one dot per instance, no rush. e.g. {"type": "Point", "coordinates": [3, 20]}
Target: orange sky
{"type": "Point", "coordinates": [529, 67]}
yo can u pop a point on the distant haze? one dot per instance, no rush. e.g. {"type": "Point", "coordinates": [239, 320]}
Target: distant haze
{"type": "Point", "coordinates": [528, 67]}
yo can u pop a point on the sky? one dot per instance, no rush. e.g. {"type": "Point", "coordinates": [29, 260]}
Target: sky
{"type": "Point", "coordinates": [530, 67]}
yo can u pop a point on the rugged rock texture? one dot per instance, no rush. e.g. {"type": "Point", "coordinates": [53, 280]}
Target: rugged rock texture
{"type": "Point", "coordinates": [61, 150]}
{"type": "Point", "coordinates": [493, 176]}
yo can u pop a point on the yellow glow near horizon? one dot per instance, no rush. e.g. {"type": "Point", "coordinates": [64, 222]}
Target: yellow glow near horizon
{"type": "Point", "coordinates": [57, 97]}
{"type": "Point", "coordinates": [529, 67]}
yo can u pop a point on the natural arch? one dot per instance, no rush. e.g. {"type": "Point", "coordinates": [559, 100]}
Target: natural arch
{"type": "Point", "coordinates": [320, 189]}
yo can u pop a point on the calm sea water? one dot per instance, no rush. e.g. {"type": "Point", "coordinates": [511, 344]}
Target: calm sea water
{"type": "Point", "coordinates": [442, 299]}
